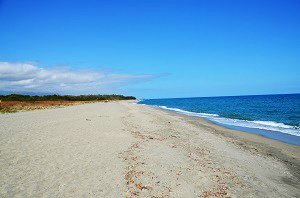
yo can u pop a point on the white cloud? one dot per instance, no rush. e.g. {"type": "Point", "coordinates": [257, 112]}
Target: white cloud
{"type": "Point", "coordinates": [31, 78]}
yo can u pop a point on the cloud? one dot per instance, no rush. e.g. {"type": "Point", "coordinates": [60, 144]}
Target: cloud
{"type": "Point", "coordinates": [27, 77]}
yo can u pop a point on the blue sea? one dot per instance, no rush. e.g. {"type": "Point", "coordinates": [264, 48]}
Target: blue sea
{"type": "Point", "coordinates": [273, 116]}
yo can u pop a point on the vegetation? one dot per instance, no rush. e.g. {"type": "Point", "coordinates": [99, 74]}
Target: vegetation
{"type": "Point", "coordinates": [28, 98]}
{"type": "Point", "coordinates": [16, 102]}
{"type": "Point", "coordinates": [15, 106]}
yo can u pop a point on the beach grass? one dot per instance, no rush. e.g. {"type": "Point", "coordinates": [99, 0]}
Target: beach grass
{"type": "Point", "coordinates": [15, 106]}
{"type": "Point", "coordinates": [16, 102]}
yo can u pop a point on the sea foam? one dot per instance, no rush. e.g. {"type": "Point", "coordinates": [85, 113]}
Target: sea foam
{"type": "Point", "coordinates": [265, 125]}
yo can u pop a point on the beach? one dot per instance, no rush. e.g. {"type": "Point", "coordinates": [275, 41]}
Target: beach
{"type": "Point", "coordinates": [123, 149]}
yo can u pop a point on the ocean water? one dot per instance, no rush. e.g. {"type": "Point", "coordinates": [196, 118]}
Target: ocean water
{"type": "Point", "coordinates": [272, 116]}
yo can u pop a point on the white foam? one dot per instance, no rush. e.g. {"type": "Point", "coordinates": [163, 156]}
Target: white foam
{"type": "Point", "coordinates": [189, 112]}
{"type": "Point", "coordinates": [265, 125]}
{"type": "Point", "coordinates": [273, 124]}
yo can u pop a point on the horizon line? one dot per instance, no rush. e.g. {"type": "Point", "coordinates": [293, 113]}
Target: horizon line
{"type": "Point", "coordinates": [220, 96]}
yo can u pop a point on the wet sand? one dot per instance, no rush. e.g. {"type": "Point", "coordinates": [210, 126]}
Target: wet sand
{"type": "Point", "coordinates": [120, 149]}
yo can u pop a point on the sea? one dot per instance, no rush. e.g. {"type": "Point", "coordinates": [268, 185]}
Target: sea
{"type": "Point", "coordinates": [272, 116]}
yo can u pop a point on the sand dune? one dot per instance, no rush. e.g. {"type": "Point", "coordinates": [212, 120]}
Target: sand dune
{"type": "Point", "coordinates": [120, 149]}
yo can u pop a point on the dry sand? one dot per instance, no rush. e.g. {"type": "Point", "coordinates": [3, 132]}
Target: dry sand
{"type": "Point", "coordinates": [120, 149]}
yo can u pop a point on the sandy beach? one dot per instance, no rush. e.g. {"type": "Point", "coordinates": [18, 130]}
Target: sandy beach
{"type": "Point", "coordinates": [121, 149]}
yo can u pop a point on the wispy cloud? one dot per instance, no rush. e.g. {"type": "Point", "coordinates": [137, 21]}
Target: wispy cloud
{"type": "Point", "coordinates": [32, 78]}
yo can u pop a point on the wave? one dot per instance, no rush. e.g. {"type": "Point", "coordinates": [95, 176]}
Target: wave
{"type": "Point", "coordinates": [189, 112]}
{"type": "Point", "coordinates": [257, 124]}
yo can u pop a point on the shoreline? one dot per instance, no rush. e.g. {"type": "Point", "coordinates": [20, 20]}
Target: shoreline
{"type": "Point", "coordinates": [119, 149]}
{"type": "Point", "coordinates": [287, 153]}
{"type": "Point", "coordinates": [271, 134]}
{"type": "Point", "coordinates": [274, 135]}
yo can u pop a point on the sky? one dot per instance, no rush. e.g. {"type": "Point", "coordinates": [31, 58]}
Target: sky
{"type": "Point", "coordinates": [150, 48]}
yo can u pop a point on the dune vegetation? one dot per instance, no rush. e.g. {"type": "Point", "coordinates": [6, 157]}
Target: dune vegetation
{"type": "Point", "coordinates": [17, 102]}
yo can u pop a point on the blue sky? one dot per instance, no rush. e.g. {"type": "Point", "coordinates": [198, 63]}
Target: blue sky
{"type": "Point", "coordinates": [150, 48]}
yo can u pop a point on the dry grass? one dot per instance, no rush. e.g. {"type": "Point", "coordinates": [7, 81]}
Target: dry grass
{"type": "Point", "coordinates": [15, 106]}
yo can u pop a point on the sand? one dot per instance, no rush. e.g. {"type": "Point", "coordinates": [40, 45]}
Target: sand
{"type": "Point", "coordinates": [120, 149]}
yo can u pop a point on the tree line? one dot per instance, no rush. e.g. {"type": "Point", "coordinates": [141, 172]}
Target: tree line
{"type": "Point", "coordinates": [29, 98]}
